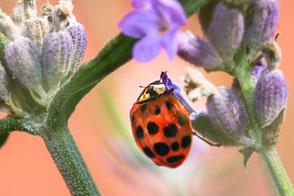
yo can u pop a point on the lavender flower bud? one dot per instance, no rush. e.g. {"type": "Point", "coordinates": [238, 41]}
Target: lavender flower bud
{"type": "Point", "coordinates": [79, 39]}
{"type": "Point", "coordinates": [200, 53]}
{"type": "Point", "coordinates": [23, 58]}
{"type": "Point", "coordinates": [4, 84]}
{"type": "Point", "coordinates": [260, 23]}
{"type": "Point", "coordinates": [225, 30]}
{"type": "Point", "coordinates": [36, 29]}
{"type": "Point", "coordinates": [57, 56]}
{"type": "Point", "coordinates": [270, 96]}
{"type": "Point", "coordinates": [226, 112]}
{"type": "Point", "coordinates": [202, 123]}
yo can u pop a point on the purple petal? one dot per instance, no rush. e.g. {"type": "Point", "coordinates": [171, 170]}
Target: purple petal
{"type": "Point", "coordinates": [147, 48]}
{"type": "Point", "coordinates": [137, 24]}
{"type": "Point", "coordinates": [170, 43]}
{"type": "Point", "coordinates": [174, 9]}
{"type": "Point", "coordinates": [141, 4]}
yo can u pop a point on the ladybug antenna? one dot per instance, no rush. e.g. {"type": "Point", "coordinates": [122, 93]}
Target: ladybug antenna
{"type": "Point", "coordinates": [277, 36]}
{"type": "Point", "coordinates": [141, 86]}
{"type": "Point", "coordinates": [163, 75]}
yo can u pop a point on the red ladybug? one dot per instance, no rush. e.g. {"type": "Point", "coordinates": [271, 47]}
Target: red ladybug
{"type": "Point", "coordinates": [161, 125]}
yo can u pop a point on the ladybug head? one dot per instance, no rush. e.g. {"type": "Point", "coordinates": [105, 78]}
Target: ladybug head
{"type": "Point", "coordinates": [153, 91]}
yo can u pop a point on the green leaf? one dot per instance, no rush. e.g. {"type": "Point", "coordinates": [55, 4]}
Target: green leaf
{"type": "Point", "coordinates": [116, 53]}
{"type": "Point", "coordinates": [246, 152]}
{"type": "Point", "coordinates": [3, 138]}
{"type": "Point", "coordinates": [191, 6]}
{"type": "Point", "coordinates": [9, 124]}
{"type": "Point", "coordinates": [203, 125]}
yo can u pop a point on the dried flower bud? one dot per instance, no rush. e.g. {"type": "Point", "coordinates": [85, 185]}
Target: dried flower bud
{"type": "Point", "coordinates": [270, 96]}
{"type": "Point", "coordinates": [61, 15]}
{"type": "Point", "coordinates": [23, 59]}
{"type": "Point", "coordinates": [272, 53]}
{"type": "Point", "coordinates": [30, 8]}
{"type": "Point", "coordinates": [225, 30]}
{"type": "Point", "coordinates": [202, 123]}
{"type": "Point", "coordinates": [4, 84]}
{"type": "Point", "coordinates": [18, 13]}
{"type": "Point", "coordinates": [47, 10]}
{"type": "Point", "coordinates": [79, 39]}
{"type": "Point", "coordinates": [197, 85]}
{"type": "Point", "coordinates": [36, 29]}
{"type": "Point", "coordinates": [260, 23]}
{"type": "Point", "coordinates": [7, 27]}
{"type": "Point", "coordinates": [200, 53]}
{"type": "Point", "coordinates": [56, 57]}
{"type": "Point", "coordinates": [226, 112]}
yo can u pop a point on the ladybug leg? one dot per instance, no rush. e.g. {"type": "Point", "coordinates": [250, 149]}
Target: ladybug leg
{"type": "Point", "coordinates": [170, 91]}
{"type": "Point", "coordinates": [206, 141]}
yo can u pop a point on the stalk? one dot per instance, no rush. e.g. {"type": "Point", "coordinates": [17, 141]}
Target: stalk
{"type": "Point", "coordinates": [69, 161]}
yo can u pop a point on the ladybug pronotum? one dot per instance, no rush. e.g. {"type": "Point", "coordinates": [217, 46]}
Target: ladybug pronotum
{"type": "Point", "coordinates": [161, 125]}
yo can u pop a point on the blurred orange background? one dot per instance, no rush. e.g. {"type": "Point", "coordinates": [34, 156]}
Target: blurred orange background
{"type": "Point", "coordinates": [100, 126]}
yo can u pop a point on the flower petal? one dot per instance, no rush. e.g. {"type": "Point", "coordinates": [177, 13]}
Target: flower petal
{"type": "Point", "coordinates": [170, 43]}
{"type": "Point", "coordinates": [141, 4]}
{"type": "Point", "coordinates": [137, 24]}
{"type": "Point", "coordinates": [174, 9]}
{"type": "Point", "coordinates": [147, 48]}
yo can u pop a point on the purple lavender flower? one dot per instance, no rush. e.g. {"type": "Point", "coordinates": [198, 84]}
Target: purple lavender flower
{"type": "Point", "coordinates": [156, 23]}
{"type": "Point", "coordinates": [200, 53]}
{"type": "Point", "coordinates": [177, 90]}
{"type": "Point", "coordinates": [259, 67]}
{"type": "Point", "coordinates": [270, 97]}
{"type": "Point", "coordinates": [226, 112]}
{"type": "Point", "coordinates": [261, 22]}
{"type": "Point", "coordinates": [225, 30]}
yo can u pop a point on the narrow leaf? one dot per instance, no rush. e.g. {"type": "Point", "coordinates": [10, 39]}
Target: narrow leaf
{"type": "Point", "coordinates": [246, 152]}
{"type": "Point", "coordinates": [3, 138]}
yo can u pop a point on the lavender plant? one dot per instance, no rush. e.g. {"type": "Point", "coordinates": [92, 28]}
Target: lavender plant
{"type": "Point", "coordinates": [40, 84]}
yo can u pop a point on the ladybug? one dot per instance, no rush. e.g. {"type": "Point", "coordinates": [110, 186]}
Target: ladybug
{"type": "Point", "coordinates": [161, 125]}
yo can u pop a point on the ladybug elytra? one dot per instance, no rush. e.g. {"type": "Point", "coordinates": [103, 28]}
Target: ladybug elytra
{"type": "Point", "coordinates": [161, 125]}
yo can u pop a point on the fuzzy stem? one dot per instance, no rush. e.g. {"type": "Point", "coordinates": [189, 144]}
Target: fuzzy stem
{"type": "Point", "coordinates": [269, 154]}
{"type": "Point", "coordinates": [277, 171]}
{"type": "Point", "coordinates": [243, 73]}
{"type": "Point", "coordinates": [69, 161]}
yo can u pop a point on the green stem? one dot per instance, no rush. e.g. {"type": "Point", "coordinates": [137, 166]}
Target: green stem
{"type": "Point", "coordinates": [243, 73]}
{"type": "Point", "coordinates": [277, 171]}
{"type": "Point", "coordinates": [69, 161]}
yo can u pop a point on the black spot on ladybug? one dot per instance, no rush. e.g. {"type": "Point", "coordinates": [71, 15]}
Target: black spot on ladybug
{"type": "Point", "coordinates": [132, 117]}
{"type": "Point", "coordinates": [161, 148]}
{"type": "Point", "coordinates": [175, 159]}
{"type": "Point", "coordinates": [182, 120]}
{"type": "Point", "coordinates": [175, 146]}
{"type": "Point", "coordinates": [169, 105]}
{"type": "Point", "coordinates": [157, 110]}
{"type": "Point", "coordinates": [148, 152]}
{"type": "Point", "coordinates": [170, 130]}
{"type": "Point", "coordinates": [143, 107]}
{"type": "Point", "coordinates": [152, 128]}
{"type": "Point", "coordinates": [140, 132]}
{"type": "Point", "coordinates": [186, 141]}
